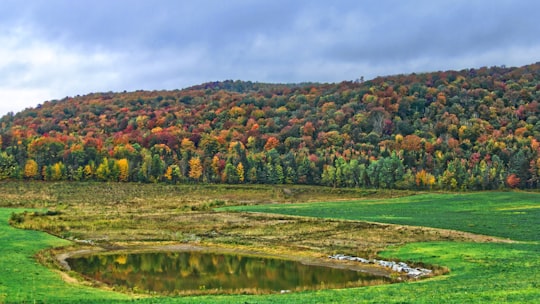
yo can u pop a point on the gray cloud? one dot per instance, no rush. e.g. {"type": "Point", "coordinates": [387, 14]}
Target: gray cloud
{"type": "Point", "coordinates": [55, 48]}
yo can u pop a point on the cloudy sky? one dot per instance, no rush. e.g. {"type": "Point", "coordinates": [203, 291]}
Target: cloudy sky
{"type": "Point", "coordinates": [50, 49]}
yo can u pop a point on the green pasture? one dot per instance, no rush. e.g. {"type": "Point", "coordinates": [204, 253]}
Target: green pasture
{"type": "Point", "coordinates": [513, 215]}
{"type": "Point", "coordinates": [480, 272]}
{"type": "Point", "coordinates": [24, 280]}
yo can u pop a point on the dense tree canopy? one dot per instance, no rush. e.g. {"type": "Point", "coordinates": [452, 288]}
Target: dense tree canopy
{"type": "Point", "coordinates": [469, 129]}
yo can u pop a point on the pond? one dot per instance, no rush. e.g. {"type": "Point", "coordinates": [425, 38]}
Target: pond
{"type": "Point", "coordinates": [195, 272]}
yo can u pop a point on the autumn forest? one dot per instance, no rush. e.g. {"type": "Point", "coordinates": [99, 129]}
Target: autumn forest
{"type": "Point", "coordinates": [474, 129]}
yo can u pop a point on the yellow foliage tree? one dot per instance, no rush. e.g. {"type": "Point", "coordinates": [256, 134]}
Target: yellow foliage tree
{"type": "Point", "coordinates": [123, 167]}
{"type": "Point", "coordinates": [44, 173]}
{"type": "Point", "coordinates": [187, 144]}
{"type": "Point", "coordinates": [240, 171]}
{"type": "Point", "coordinates": [424, 179]}
{"type": "Point", "coordinates": [88, 171]}
{"type": "Point", "coordinates": [195, 168]}
{"type": "Point", "coordinates": [168, 173]}
{"type": "Point", "coordinates": [237, 111]}
{"type": "Point", "coordinates": [215, 165]}
{"type": "Point", "coordinates": [399, 138]}
{"type": "Point", "coordinates": [58, 171]}
{"type": "Point", "coordinates": [30, 169]}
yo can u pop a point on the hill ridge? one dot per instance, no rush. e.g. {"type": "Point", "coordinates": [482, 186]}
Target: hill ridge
{"type": "Point", "coordinates": [468, 129]}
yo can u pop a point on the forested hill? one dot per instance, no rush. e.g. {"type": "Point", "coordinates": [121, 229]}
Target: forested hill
{"type": "Point", "coordinates": [469, 129]}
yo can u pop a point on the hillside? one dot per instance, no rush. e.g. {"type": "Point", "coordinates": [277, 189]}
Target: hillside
{"type": "Point", "coordinates": [468, 129]}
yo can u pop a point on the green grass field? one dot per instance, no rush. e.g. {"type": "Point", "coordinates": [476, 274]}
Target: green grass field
{"type": "Point", "coordinates": [480, 272]}
{"type": "Point", "coordinates": [492, 272]}
{"type": "Point", "coordinates": [514, 215]}
{"type": "Point", "coordinates": [24, 280]}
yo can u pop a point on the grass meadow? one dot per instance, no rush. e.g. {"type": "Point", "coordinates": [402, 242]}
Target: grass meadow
{"type": "Point", "coordinates": [24, 280]}
{"type": "Point", "coordinates": [480, 272]}
{"type": "Point", "coordinates": [513, 215]}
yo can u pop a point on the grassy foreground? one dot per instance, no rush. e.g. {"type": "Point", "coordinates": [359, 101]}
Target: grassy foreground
{"type": "Point", "coordinates": [480, 272]}
{"type": "Point", "coordinates": [24, 280]}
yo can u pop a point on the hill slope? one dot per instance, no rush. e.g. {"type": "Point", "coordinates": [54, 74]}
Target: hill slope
{"type": "Point", "coordinates": [469, 129]}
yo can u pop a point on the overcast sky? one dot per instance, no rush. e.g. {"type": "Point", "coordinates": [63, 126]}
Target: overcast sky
{"type": "Point", "coordinates": [51, 49]}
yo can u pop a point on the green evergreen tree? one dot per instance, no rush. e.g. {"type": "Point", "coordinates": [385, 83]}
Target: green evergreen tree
{"type": "Point", "coordinates": [231, 174]}
{"type": "Point", "coordinates": [328, 176]}
{"type": "Point", "coordinates": [103, 170]}
{"type": "Point", "coordinates": [372, 172]}
{"type": "Point", "coordinates": [304, 173]}
{"type": "Point", "coordinates": [280, 174]}
{"type": "Point", "coordinates": [157, 168]}
{"type": "Point", "coordinates": [271, 174]}
{"type": "Point", "coordinates": [8, 166]}
{"type": "Point", "coordinates": [519, 166]}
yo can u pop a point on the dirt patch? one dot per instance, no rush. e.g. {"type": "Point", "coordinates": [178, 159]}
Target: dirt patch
{"type": "Point", "coordinates": [478, 238]}
{"type": "Point", "coordinates": [68, 279]}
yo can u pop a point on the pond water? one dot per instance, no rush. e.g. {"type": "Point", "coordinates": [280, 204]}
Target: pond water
{"type": "Point", "coordinates": [203, 272]}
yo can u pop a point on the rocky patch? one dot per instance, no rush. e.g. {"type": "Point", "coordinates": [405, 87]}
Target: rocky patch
{"type": "Point", "coordinates": [413, 272]}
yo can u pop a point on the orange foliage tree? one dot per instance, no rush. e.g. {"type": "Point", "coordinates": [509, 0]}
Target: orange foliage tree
{"type": "Point", "coordinates": [412, 143]}
{"type": "Point", "coordinates": [169, 173]}
{"type": "Point", "coordinates": [512, 180]}
{"type": "Point", "coordinates": [271, 143]}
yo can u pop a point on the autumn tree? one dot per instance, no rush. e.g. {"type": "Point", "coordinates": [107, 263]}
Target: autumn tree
{"type": "Point", "coordinates": [271, 143]}
{"type": "Point", "coordinates": [215, 173]}
{"type": "Point", "coordinates": [411, 143]}
{"type": "Point", "coordinates": [424, 179]}
{"type": "Point", "coordinates": [513, 180]}
{"type": "Point", "coordinates": [123, 168]}
{"type": "Point", "coordinates": [31, 169]}
{"type": "Point", "coordinates": [46, 173]}
{"type": "Point", "coordinates": [534, 170]}
{"type": "Point", "coordinates": [187, 144]}
{"type": "Point", "coordinates": [58, 171]}
{"type": "Point", "coordinates": [240, 172]}
{"type": "Point", "coordinates": [88, 171]}
{"type": "Point", "coordinates": [46, 150]}
{"type": "Point", "coordinates": [195, 168]}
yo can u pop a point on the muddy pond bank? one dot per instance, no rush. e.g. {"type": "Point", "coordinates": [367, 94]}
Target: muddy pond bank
{"type": "Point", "coordinates": [195, 269]}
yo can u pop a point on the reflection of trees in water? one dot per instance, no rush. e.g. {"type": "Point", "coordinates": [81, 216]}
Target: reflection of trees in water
{"type": "Point", "coordinates": [181, 271]}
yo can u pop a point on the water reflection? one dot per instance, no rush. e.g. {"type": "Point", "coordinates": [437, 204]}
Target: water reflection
{"type": "Point", "coordinates": [181, 272]}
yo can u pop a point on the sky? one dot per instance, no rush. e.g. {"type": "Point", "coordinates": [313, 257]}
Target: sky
{"type": "Point", "coordinates": [50, 49]}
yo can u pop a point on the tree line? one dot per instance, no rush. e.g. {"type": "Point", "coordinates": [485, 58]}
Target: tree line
{"type": "Point", "coordinates": [401, 169]}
